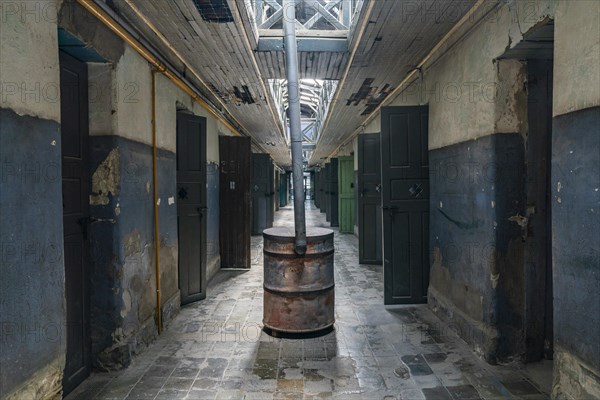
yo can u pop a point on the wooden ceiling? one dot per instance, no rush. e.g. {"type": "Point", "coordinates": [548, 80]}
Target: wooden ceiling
{"type": "Point", "coordinates": [392, 37]}
{"type": "Point", "coordinates": [398, 35]}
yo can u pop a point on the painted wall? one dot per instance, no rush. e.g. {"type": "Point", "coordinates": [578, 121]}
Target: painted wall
{"type": "Point", "coordinates": [576, 200]}
{"type": "Point", "coordinates": [121, 235]}
{"type": "Point", "coordinates": [478, 128]}
{"type": "Point", "coordinates": [32, 308]}
{"type": "Point", "coordinates": [122, 200]}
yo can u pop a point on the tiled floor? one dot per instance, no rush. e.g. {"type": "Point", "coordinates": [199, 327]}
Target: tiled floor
{"type": "Point", "coordinates": [215, 349]}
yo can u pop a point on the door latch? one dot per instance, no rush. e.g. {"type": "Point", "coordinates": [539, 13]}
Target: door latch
{"type": "Point", "coordinates": [416, 190]}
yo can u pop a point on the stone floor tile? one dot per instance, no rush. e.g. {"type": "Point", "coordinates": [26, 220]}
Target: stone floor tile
{"type": "Point", "coordinates": [216, 348]}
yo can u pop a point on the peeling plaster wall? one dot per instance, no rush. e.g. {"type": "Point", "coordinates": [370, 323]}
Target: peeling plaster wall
{"type": "Point", "coordinates": [575, 190]}
{"type": "Point", "coordinates": [575, 200]}
{"type": "Point", "coordinates": [122, 235]}
{"type": "Point", "coordinates": [477, 138]}
{"type": "Point", "coordinates": [477, 106]}
{"type": "Point", "coordinates": [32, 303]}
{"type": "Point", "coordinates": [121, 130]}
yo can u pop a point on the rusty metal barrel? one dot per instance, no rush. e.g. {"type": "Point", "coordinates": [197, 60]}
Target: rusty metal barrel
{"type": "Point", "coordinates": [299, 290]}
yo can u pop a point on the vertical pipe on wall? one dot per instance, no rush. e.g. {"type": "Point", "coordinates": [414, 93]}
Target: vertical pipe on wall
{"type": "Point", "coordinates": [291, 58]}
{"type": "Point", "coordinates": [155, 185]}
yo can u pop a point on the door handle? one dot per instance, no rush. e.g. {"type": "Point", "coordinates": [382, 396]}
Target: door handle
{"type": "Point", "coordinates": [201, 211]}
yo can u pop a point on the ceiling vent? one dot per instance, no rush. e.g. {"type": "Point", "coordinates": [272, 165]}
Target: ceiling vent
{"type": "Point", "coordinates": [214, 10]}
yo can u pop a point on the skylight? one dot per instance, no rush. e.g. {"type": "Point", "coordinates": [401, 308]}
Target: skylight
{"type": "Point", "coordinates": [329, 21]}
{"type": "Point", "coordinates": [315, 98]}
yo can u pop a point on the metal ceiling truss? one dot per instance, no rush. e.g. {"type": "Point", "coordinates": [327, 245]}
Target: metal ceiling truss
{"type": "Point", "coordinates": [312, 15]}
{"type": "Point", "coordinates": [315, 98]}
{"type": "Point", "coordinates": [321, 25]}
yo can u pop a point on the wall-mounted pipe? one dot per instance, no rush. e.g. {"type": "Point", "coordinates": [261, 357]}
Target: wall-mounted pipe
{"type": "Point", "coordinates": [291, 66]}
{"type": "Point", "coordinates": [155, 188]}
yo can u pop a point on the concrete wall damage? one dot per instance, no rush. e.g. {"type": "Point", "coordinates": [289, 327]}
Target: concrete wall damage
{"type": "Point", "coordinates": [121, 233]}
{"type": "Point", "coordinates": [32, 309]}
{"type": "Point", "coordinates": [478, 139]}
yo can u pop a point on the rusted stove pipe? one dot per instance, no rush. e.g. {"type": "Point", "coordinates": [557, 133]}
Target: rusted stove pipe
{"type": "Point", "coordinates": [291, 58]}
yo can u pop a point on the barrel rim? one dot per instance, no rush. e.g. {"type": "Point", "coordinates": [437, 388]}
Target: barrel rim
{"type": "Point", "coordinates": [288, 256]}
{"type": "Point", "coordinates": [299, 293]}
{"type": "Point", "coordinates": [291, 238]}
{"type": "Point", "coordinates": [320, 328]}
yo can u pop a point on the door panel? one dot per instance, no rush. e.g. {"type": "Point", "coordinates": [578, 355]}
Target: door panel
{"type": "Point", "coordinates": [262, 193]}
{"type": "Point", "coordinates": [317, 183]}
{"type": "Point", "coordinates": [191, 206]}
{"type": "Point", "coordinates": [236, 201]}
{"type": "Point", "coordinates": [277, 190]}
{"type": "Point", "coordinates": [538, 246]}
{"type": "Point", "coordinates": [283, 190]}
{"type": "Point", "coordinates": [332, 187]}
{"type": "Point", "coordinates": [325, 192]}
{"type": "Point", "coordinates": [369, 199]}
{"type": "Point", "coordinates": [76, 217]}
{"type": "Point", "coordinates": [405, 200]}
{"type": "Point", "coordinates": [346, 194]}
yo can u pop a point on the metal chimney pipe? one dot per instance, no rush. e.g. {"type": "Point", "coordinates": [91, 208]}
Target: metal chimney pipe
{"type": "Point", "coordinates": [291, 58]}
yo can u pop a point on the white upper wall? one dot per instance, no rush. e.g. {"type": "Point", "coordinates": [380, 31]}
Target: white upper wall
{"type": "Point", "coordinates": [121, 104]}
{"type": "Point", "coordinates": [576, 56]}
{"type": "Point", "coordinates": [29, 69]}
{"type": "Point", "coordinates": [471, 94]}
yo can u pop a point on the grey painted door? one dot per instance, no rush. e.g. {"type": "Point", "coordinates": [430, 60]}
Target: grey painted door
{"type": "Point", "coordinates": [191, 206]}
{"type": "Point", "coordinates": [325, 192]}
{"type": "Point", "coordinates": [538, 244]}
{"type": "Point", "coordinates": [235, 198]}
{"type": "Point", "coordinates": [369, 199]}
{"type": "Point", "coordinates": [405, 203]}
{"type": "Point", "coordinates": [76, 217]}
{"type": "Point", "coordinates": [332, 188]}
{"type": "Point", "coordinates": [262, 193]}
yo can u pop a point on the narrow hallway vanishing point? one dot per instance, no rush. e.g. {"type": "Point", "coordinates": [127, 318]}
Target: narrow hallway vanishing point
{"type": "Point", "coordinates": [215, 349]}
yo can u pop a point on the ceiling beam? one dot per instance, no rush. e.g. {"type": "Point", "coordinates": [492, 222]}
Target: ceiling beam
{"type": "Point", "coordinates": [305, 44]}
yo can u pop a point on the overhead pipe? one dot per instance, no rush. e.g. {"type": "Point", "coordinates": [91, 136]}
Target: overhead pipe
{"type": "Point", "coordinates": [291, 58]}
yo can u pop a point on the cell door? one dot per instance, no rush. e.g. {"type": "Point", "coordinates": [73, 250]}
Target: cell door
{"type": "Point", "coordinates": [76, 217]}
{"type": "Point", "coordinates": [235, 200]}
{"type": "Point", "coordinates": [332, 187]}
{"type": "Point", "coordinates": [262, 193]}
{"type": "Point", "coordinates": [324, 201]}
{"type": "Point", "coordinates": [277, 190]}
{"type": "Point", "coordinates": [369, 200]}
{"type": "Point", "coordinates": [346, 194]}
{"type": "Point", "coordinates": [191, 206]}
{"type": "Point", "coordinates": [405, 203]}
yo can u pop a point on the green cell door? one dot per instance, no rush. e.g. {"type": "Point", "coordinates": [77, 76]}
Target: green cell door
{"type": "Point", "coordinates": [346, 194]}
